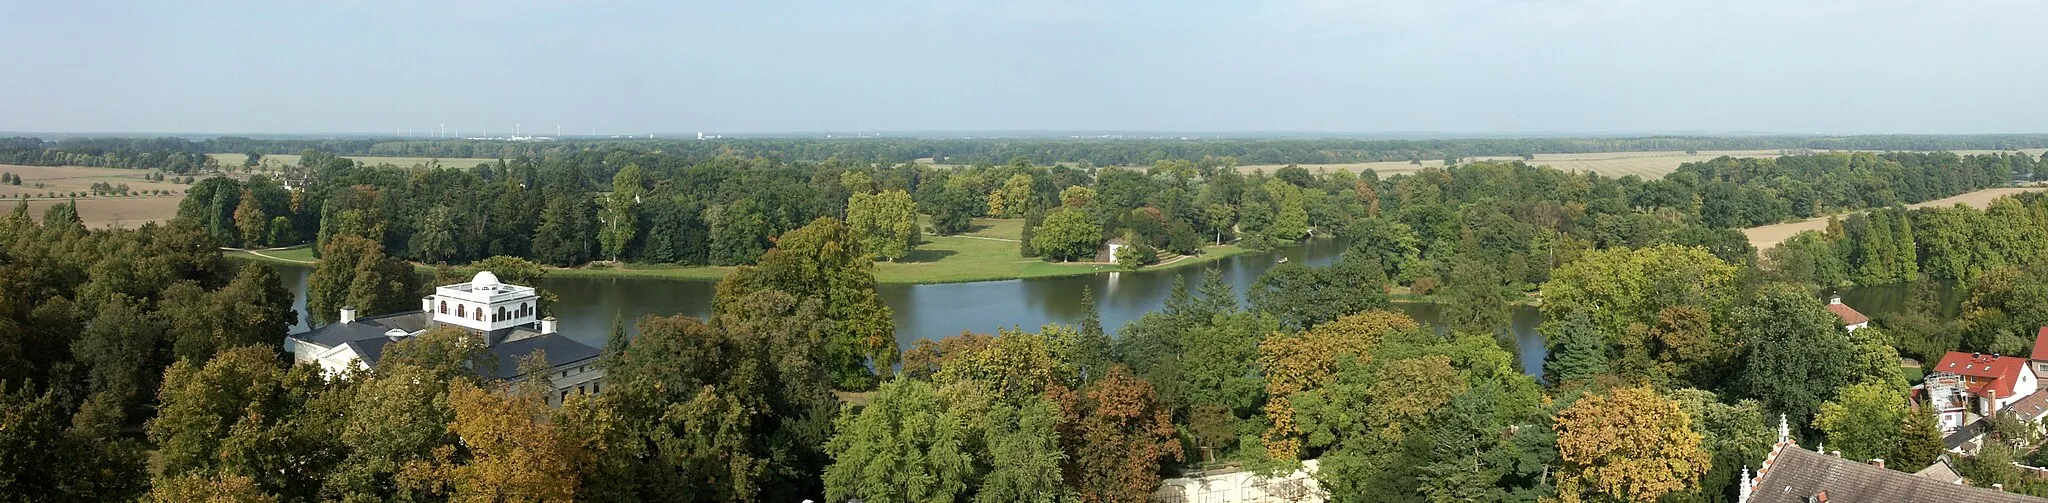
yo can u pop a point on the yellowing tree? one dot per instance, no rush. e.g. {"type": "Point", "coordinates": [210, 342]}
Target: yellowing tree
{"type": "Point", "coordinates": [1629, 445]}
{"type": "Point", "coordinates": [1297, 363]}
{"type": "Point", "coordinates": [514, 454]}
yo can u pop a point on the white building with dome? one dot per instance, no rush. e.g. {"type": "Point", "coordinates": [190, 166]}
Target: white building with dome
{"type": "Point", "coordinates": [505, 315]}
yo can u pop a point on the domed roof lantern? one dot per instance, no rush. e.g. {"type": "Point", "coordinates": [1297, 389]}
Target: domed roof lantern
{"type": "Point", "coordinates": [484, 280]}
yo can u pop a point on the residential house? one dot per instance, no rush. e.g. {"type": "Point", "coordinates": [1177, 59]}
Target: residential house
{"type": "Point", "coordinates": [1977, 384]}
{"type": "Point", "coordinates": [1851, 319]}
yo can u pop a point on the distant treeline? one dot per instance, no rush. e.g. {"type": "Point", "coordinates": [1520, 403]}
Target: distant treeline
{"type": "Point", "coordinates": [176, 153]}
{"type": "Point", "coordinates": [1503, 225]}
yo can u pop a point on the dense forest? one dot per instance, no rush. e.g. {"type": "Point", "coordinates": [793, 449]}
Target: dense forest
{"type": "Point", "coordinates": [178, 154]}
{"type": "Point", "coordinates": [1674, 347]}
{"type": "Point", "coordinates": [1521, 220]}
{"type": "Point", "coordinates": [123, 346]}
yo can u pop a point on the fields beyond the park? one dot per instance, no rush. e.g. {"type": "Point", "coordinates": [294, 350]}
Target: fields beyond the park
{"type": "Point", "coordinates": [1648, 165]}
{"type": "Point", "coordinates": [49, 185]}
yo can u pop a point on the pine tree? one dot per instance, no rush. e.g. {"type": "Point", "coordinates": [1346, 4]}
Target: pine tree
{"type": "Point", "coordinates": [1919, 444]}
{"type": "Point", "coordinates": [1577, 351]}
{"type": "Point", "coordinates": [1217, 296]}
{"type": "Point", "coordinates": [1092, 351]}
{"type": "Point", "coordinates": [1905, 261]}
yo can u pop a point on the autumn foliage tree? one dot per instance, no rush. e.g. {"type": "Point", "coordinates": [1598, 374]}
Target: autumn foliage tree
{"type": "Point", "coordinates": [1293, 363]}
{"type": "Point", "coordinates": [1628, 445]}
{"type": "Point", "coordinates": [1116, 434]}
{"type": "Point", "coordinates": [508, 451]}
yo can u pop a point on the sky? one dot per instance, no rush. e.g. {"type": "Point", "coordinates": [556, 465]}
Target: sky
{"type": "Point", "coordinates": [1314, 66]}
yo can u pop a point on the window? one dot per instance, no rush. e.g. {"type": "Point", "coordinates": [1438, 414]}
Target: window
{"type": "Point", "coordinates": [593, 387]}
{"type": "Point", "coordinates": [444, 307]}
{"type": "Point", "coordinates": [479, 314]}
{"type": "Point", "coordinates": [460, 311]}
{"type": "Point", "coordinates": [581, 391]}
{"type": "Point", "coordinates": [501, 315]}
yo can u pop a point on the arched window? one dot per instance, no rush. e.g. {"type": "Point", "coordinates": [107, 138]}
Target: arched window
{"type": "Point", "coordinates": [524, 310]}
{"type": "Point", "coordinates": [479, 314]}
{"type": "Point", "coordinates": [461, 311]}
{"type": "Point", "coordinates": [444, 307]}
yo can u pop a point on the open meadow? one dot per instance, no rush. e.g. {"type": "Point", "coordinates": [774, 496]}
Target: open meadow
{"type": "Point", "coordinates": [49, 185]}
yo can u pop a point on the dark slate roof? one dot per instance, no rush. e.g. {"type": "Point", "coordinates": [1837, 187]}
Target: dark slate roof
{"type": "Point", "coordinates": [336, 334]}
{"type": "Point", "coordinates": [560, 350]}
{"type": "Point", "coordinates": [1942, 470]}
{"type": "Point", "coordinates": [366, 337]}
{"type": "Point", "coordinates": [370, 350]}
{"type": "Point", "coordinates": [1797, 474]}
{"type": "Point", "coordinates": [1965, 435]}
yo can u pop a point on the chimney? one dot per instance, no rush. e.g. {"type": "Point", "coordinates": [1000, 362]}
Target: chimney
{"type": "Point", "coordinates": [547, 325]}
{"type": "Point", "coordinates": [1836, 454]}
{"type": "Point", "coordinates": [2000, 487]}
{"type": "Point", "coordinates": [1835, 300]}
{"type": "Point", "coordinates": [348, 315]}
{"type": "Point", "coordinates": [1877, 462]}
{"type": "Point", "coordinates": [427, 304]}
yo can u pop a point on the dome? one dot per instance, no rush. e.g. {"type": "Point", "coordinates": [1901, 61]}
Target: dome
{"type": "Point", "coordinates": [484, 281]}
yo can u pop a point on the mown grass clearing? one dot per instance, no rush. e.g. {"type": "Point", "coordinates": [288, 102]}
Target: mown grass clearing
{"type": "Point", "coordinates": [988, 252]}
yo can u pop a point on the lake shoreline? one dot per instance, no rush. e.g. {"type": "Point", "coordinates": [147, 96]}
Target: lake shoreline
{"type": "Point", "coordinates": [895, 274]}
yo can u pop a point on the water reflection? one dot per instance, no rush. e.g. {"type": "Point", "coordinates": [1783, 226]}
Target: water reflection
{"type": "Point", "coordinates": [588, 306]}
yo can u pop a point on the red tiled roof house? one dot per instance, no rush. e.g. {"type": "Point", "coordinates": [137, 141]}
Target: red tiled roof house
{"type": "Point", "coordinates": [1978, 383]}
{"type": "Point", "coordinates": [1851, 319]}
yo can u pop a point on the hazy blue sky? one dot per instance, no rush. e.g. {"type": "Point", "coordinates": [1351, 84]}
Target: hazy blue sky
{"type": "Point", "coordinates": [1861, 66]}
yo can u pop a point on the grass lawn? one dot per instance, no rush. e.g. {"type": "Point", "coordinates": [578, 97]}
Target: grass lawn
{"type": "Point", "coordinates": [987, 252]}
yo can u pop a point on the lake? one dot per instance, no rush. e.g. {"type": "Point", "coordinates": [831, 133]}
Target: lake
{"type": "Point", "coordinates": [588, 305]}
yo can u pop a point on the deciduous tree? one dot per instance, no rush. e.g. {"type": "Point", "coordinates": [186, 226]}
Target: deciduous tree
{"type": "Point", "coordinates": [1116, 434]}
{"type": "Point", "coordinates": [903, 447]}
{"type": "Point", "coordinates": [886, 222]}
{"type": "Point", "coordinates": [1627, 445]}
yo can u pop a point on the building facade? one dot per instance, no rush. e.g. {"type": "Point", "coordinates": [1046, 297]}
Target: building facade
{"type": "Point", "coordinates": [506, 316]}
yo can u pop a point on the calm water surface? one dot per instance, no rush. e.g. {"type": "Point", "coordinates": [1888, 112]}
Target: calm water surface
{"type": "Point", "coordinates": [588, 305]}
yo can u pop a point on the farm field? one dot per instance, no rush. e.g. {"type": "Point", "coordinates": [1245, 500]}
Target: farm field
{"type": "Point", "coordinates": [293, 160]}
{"type": "Point", "coordinates": [1648, 165]}
{"type": "Point", "coordinates": [96, 211]}
{"type": "Point", "coordinates": [1642, 164]}
{"type": "Point", "coordinates": [1765, 237]}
